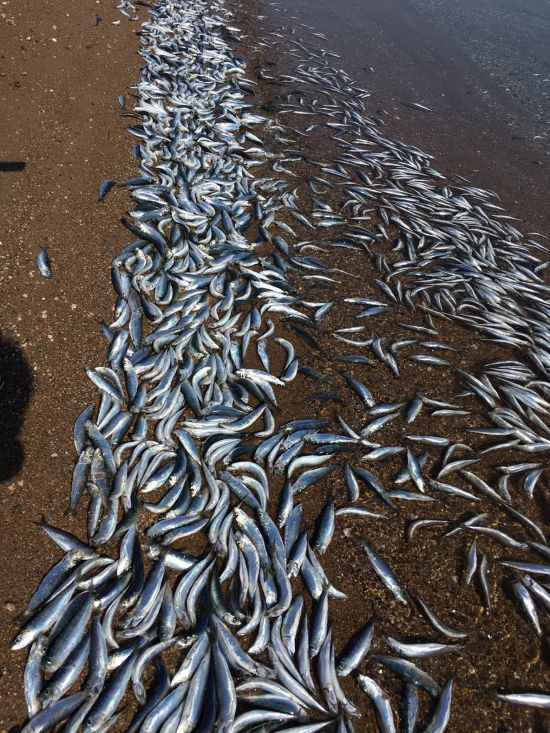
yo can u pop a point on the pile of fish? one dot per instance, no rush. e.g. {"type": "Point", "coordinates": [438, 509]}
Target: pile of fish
{"type": "Point", "coordinates": [194, 604]}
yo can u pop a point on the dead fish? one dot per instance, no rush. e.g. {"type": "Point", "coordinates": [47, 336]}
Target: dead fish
{"type": "Point", "coordinates": [384, 572]}
{"type": "Point", "coordinates": [104, 188]}
{"type": "Point", "coordinates": [43, 263]}
{"type": "Point", "coordinates": [417, 105]}
{"type": "Point", "coordinates": [532, 699]}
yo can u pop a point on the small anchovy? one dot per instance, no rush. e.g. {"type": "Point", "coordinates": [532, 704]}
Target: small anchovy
{"type": "Point", "coordinates": [354, 359]}
{"type": "Point", "coordinates": [437, 624]}
{"type": "Point", "coordinates": [325, 528]}
{"type": "Point", "coordinates": [383, 452]}
{"type": "Point", "coordinates": [527, 604]}
{"type": "Point", "coordinates": [360, 389]}
{"type": "Point", "coordinates": [381, 703]}
{"type": "Point", "coordinates": [414, 408]}
{"type": "Point", "coordinates": [359, 510]}
{"type": "Point", "coordinates": [452, 490]}
{"type": "Point", "coordinates": [351, 483]}
{"type": "Point", "coordinates": [421, 650]}
{"type": "Point", "coordinates": [429, 359]}
{"type": "Point", "coordinates": [531, 480]}
{"type": "Point", "coordinates": [319, 625]}
{"type": "Point", "coordinates": [417, 524]}
{"type": "Point", "coordinates": [482, 571]}
{"type": "Point", "coordinates": [471, 564]}
{"type": "Point", "coordinates": [384, 572]}
{"type": "Point", "coordinates": [104, 188]}
{"type": "Point", "coordinates": [409, 672]}
{"type": "Point", "coordinates": [415, 470]}
{"type": "Point", "coordinates": [417, 105]}
{"type": "Point", "coordinates": [43, 263]}
{"type": "Point", "coordinates": [456, 466]}
{"type": "Point", "coordinates": [377, 424]}
{"type": "Point", "coordinates": [436, 440]}
{"type": "Point", "coordinates": [50, 717]}
{"type": "Point", "coordinates": [409, 495]}
{"type": "Point", "coordinates": [313, 374]}
{"type": "Point", "coordinates": [33, 678]}
{"type": "Point", "coordinates": [43, 619]}
{"type": "Point", "coordinates": [449, 413]}
{"type": "Point", "coordinates": [519, 468]}
{"type": "Point", "coordinates": [500, 536]}
{"type": "Point", "coordinates": [442, 713]}
{"type": "Point", "coordinates": [532, 699]}
{"type": "Point", "coordinates": [356, 650]}
{"type": "Point", "coordinates": [308, 478]}
{"type": "Point", "coordinates": [411, 704]}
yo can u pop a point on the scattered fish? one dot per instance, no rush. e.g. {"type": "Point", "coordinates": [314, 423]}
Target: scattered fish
{"type": "Point", "coordinates": [43, 263]}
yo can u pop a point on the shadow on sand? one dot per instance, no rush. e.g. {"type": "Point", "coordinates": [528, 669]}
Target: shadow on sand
{"type": "Point", "coordinates": [15, 391]}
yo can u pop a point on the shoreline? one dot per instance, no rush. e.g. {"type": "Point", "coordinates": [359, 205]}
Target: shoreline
{"type": "Point", "coordinates": [476, 129]}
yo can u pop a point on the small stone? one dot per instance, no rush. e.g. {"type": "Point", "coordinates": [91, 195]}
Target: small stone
{"type": "Point", "coordinates": [9, 606]}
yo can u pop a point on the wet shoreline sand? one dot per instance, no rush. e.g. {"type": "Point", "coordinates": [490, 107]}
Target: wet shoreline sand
{"type": "Point", "coordinates": [418, 53]}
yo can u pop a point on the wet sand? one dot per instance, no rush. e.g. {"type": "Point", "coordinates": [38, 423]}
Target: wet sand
{"type": "Point", "coordinates": [60, 78]}
{"type": "Point", "coordinates": [472, 63]}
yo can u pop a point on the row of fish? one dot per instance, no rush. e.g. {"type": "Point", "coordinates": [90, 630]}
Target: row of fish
{"type": "Point", "coordinates": [178, 402]}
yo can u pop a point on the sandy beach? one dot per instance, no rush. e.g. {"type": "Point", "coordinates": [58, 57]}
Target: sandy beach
{"type": "Point", "coordinates": [63, 132]}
